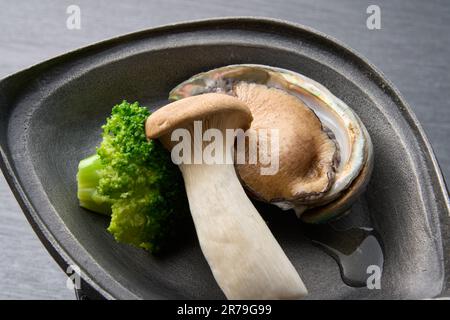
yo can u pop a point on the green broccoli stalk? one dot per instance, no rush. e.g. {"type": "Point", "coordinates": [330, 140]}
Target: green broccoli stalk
{"type": "Point", "coordinates": [88, 178]}
{"type": "Point", "coordinates": [134, 180]}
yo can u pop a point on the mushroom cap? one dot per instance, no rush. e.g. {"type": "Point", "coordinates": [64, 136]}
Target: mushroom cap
{"type": "Point", "coordinates": [215, 110]}
{"type": "Point", "coordinates": [307, 155]}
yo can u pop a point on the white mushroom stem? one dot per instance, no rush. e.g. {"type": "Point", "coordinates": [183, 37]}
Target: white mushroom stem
{"type": "Point", "coordinates": [245, 258]}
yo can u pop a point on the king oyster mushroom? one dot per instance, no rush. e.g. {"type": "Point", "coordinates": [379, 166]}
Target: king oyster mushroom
{"type": "Point", "coordinates": [245, 258]}
{"type": "Point", "coordinates": [326, 154]}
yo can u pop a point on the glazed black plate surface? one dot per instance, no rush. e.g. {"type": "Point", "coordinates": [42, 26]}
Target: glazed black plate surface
{"type": "Point", "coordinates": [50, 118]}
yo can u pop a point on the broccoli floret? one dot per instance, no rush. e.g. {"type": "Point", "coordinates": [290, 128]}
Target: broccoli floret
{"type": "Point", "coordinates": [134, 179]}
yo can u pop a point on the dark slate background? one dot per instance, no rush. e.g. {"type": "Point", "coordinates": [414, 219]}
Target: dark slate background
{"type": "Point", "coordinates": [412, 49]}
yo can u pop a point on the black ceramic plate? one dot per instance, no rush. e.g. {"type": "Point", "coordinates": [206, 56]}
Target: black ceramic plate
{"type": "Point", "coordinates": [50, 117]}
